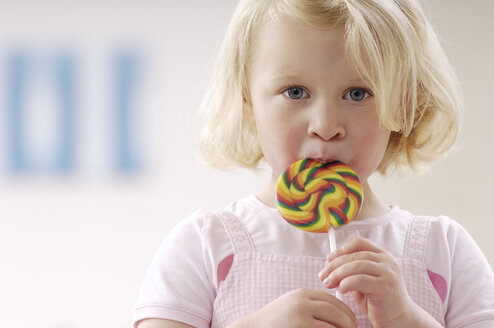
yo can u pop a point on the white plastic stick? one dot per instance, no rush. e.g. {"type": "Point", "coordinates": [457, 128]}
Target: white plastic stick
{"type": "Point", "coordinates": [332, 248]}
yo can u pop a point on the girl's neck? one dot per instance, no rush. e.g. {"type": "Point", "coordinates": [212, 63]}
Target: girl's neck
{"type": "Point", "coordinates": [371, 207]}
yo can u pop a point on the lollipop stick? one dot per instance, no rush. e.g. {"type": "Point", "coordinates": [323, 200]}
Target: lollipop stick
{"type": "Point", "coordinates": [332, 247]}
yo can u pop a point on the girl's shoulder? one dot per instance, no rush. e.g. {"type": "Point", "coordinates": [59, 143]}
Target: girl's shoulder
{"type": "Point", "coordinates": [204, 222]}
{"type": "Point", "coordinates": [442, 226]}
{"type": "Point", "coordinates": [206, 232]}
{"type": "Point", "coordinates": [443, 234]}
{"type": "Point", "coordinates": [449, 237]}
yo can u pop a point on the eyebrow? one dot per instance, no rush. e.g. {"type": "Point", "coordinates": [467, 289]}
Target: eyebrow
{"type": "Point", "coordinates": [287, 79]}
{"type": "Point", "coordinates": [354, 80]}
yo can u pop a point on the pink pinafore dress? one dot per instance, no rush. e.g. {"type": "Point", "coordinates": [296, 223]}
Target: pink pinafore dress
{"type": "Point", "coordinates": [256, 278]}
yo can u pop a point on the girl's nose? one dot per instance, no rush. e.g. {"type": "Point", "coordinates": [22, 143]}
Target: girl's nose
{"type": "Point", "coordinates": [326, 124]}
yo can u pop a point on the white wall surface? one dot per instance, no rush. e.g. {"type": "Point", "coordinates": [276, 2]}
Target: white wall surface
{"type": "Point", "coordinates": [74, 248]}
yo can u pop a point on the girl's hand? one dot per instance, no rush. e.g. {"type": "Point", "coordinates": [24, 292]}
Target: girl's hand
{"type": "Point", "coordinates": [375, 279]}
{"type": "Point", "coordinates": [301, 308]}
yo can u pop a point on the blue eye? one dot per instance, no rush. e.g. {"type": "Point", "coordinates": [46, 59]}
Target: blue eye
{"type": "Point", "coordinates": [356, 94]}
{"type": "Point", "coordinates": [295, 93]}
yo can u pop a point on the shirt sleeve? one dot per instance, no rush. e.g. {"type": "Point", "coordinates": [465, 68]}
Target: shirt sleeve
{"type": "Point", "coordinates": [178, 284]}
{"type": "Point", "coordinates": [471, 292]}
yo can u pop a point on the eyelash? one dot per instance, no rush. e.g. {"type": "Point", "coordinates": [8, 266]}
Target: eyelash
{"type": "Point", "coordinates": [367, 93]}
{"type": "Point", "coordinates": [291, 88]}
{"type": "Point", "coordinates": [305, 94]}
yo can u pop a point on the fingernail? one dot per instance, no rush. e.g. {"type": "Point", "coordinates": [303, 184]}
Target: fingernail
{"type": "Point", "coordinates": [327, 281]}
{"type": "Point", "coordinates": [320, 274]}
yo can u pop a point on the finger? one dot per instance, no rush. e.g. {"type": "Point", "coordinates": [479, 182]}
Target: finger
{"type": "Point", "coordinates": [334, 314]}
{"type": "Point", "coordinates": [347, 258]}
{"type": "Point", "coordinates": [322, 298]}
{"type": "Point", "coordinates": [358, 244]}
{"type": "Point", "coordinates": [362, 267]}
{"type": "Point", "coordinates": [321, 324]}
{"type": "Point", "coordinates": [362, 283]}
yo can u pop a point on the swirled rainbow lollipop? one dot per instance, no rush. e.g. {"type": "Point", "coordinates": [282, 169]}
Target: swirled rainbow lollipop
{"type": "Point", "coordinates": [314, 197]}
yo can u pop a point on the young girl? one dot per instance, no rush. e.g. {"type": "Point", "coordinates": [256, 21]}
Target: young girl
{"type": "Point", "coordinates": [364, 82]}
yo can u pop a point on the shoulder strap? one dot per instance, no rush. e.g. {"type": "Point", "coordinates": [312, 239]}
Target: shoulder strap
{"type": "Point", "coordinates": [417, 237]}
{"type": "Point", "coordinates": [240, 238]}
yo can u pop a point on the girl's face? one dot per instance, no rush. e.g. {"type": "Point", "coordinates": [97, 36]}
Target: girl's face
{"type": "Point", "coordinates": [308, 100]}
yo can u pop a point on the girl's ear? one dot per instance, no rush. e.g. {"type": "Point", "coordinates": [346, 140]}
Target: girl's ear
{"type": "Point", "coordinates": [246, 98]}
{"type": "Point", "coordinates": [248, 112]}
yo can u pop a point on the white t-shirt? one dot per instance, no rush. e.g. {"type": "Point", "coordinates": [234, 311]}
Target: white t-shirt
{"type": "Point", "coordinates": [183, 279]}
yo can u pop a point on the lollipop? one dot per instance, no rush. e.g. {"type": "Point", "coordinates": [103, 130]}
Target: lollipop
{"type": "Point", "coordinates": [315, 197]}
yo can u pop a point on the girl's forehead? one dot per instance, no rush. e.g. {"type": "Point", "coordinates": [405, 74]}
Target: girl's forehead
{"type": "Point", "coordinates": [282, 51]}
{"type": "Point", "coordinates": [289, 34]}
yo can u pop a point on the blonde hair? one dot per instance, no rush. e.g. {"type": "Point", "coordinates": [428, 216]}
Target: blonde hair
{"type": "Point", "coordinates": [396, 52]}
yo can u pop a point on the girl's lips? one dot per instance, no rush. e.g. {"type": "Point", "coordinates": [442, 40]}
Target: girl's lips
{"type": "Point", "coordinates": [323, 160]}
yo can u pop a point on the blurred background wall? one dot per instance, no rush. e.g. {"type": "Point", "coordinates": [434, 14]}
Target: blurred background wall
{"type": "Point", "coordinates": [97, 159]}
